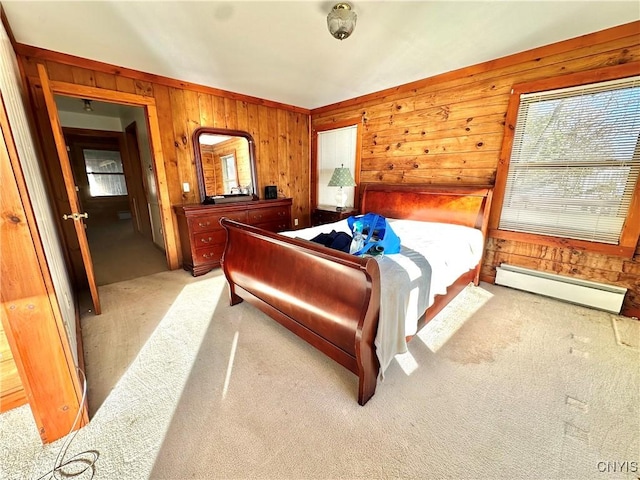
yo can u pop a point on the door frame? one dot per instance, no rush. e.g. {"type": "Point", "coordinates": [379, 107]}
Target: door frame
{"type": "Point", "coordinates": [149, 105]}
{"type": "Point", "coordinates": [132, 146]}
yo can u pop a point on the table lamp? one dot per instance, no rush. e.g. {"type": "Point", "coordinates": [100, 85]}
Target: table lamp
{"type": "Point", "coordinates": [341, 178]}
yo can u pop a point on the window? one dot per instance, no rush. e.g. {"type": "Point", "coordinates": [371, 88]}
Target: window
{"type": "Point", "coordinates": [336, 148]}
{"type": "Point", "coordinates": [104, 173]}
{"type": "Point", "coordinates": [229, 173]}
{"type": "Point", "coordinates": [574, 162]}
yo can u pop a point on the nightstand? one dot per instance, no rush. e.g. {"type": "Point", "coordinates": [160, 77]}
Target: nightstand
{"type": "Point", "coordinates": [328, 214]}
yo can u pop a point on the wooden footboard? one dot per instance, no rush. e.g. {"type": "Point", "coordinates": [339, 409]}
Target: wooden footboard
{"type": "Point", "coordinates": [330, 299]}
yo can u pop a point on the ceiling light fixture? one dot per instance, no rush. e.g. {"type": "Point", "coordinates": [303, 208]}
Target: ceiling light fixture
{"type": "Point", "coordinates": [87, 105]}
{"type": "Point", "coordinates": [341, 20]}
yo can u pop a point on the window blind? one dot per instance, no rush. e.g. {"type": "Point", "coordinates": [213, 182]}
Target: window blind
{"type": "Point", "coordinates": [336, 147]}
{"type": "Point", "coordinates": [104, 173]}
{"type": "Point", "coordinates": [575, 161]}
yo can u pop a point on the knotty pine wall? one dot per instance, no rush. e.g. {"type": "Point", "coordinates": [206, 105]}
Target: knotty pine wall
{"type": "Point", "coordinates": [280, 132]}
{"type": "Point", "coordinates": [448, 129]}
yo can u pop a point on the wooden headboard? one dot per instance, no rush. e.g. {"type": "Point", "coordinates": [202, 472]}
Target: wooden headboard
{"type": "Point", "coordinates": [468, 205]}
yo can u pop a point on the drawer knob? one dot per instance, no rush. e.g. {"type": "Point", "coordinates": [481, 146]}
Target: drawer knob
{"type": "Point", "coordinates": [205, 224]}
{"type": "Point", "coordinates": [206, 240]}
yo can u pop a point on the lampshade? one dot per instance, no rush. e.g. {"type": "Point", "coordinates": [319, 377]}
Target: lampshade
{"type": "Point", "coordinates": [341, 20]}
{"type": "Point", "coordinates": [342, 178]}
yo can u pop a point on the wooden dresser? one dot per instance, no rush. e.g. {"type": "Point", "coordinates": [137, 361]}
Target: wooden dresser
{"type": "Point", "coordinates": [202, 238]}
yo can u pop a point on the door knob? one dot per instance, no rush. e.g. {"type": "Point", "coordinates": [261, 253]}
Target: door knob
{"type": "Point", "coordinates": [75, 216]}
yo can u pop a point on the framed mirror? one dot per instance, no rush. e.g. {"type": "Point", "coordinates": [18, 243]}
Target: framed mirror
{"type": "Point", "coordinates": [225, 165]}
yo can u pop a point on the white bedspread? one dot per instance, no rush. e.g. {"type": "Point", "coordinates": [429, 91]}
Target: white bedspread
{"type": "Point", "coordinates": [433, 256]}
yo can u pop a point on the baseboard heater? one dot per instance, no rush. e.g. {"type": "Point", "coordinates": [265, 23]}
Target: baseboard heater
{"type": "Point", "coordinates": [581, 292]}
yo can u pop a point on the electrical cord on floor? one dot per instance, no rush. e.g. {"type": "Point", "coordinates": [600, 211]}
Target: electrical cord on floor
{"type": "Point", "coordinates": [83, 461]}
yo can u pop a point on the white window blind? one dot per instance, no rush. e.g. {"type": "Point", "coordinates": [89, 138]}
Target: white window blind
{"type": "Point", "coordinates": [336, 147]}
{"type": "Point", "coordinates": [104, 173]}
{"type": "Point", "coordinates": [575, 161]}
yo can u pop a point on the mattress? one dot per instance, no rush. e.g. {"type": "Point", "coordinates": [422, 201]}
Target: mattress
{"type": "Point", "coordinates": [432, 257]}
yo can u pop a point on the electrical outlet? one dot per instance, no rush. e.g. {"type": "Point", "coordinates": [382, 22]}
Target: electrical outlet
{"type": "Point", "coordinates": [295, 222]}
{"type": "Point", "coordinates": [186, 187]}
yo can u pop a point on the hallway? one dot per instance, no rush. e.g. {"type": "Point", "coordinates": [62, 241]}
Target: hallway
{"type": "Point", "coordinates": [119, 253]}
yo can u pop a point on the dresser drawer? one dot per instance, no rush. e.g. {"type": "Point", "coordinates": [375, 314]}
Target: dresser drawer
{"type": "Point", "coordinates": [214, 237]}
{"type": "Point", "coordinates": [265, 215]}
{"type": "Point", "coordinates": [275, 226]}
{"type": "Point", "coordinates": [211, 222]}
{"type": "Point", "coordinates": [211, 254]}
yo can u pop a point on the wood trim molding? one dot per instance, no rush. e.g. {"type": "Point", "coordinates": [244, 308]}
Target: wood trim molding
{"type": "Point", "coordinates": [49, 55]}
{"type": "Point", "coordinates": [580, 78]}
{"type": "Point", "coordinates": [163, 188]}
{"type": "Point", "coordinates": [600, 248]}
{"type": "Point", "coordinates": [95, 93]}
{"type": "Point", "coordinates": [621, 31]}
{"type": "Point", "coordinates": [88, 132]}
{"type": "Point", "coordinates": [337, 124]}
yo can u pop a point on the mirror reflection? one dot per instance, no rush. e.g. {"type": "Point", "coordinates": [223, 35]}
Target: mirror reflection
{"type": "Point", "coordinates": [225, 164]}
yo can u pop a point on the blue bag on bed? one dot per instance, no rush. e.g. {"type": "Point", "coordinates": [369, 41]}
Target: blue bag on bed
{"type": "Point", "coordinates": [378, 235]}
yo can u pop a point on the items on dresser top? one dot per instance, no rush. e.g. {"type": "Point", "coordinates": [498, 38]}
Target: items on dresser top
{"type": "Point", "coordinates": [231, 198]}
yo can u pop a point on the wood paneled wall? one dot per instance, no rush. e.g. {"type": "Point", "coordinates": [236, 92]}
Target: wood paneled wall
{"type": "Point", "coordinates": [281, 132]}
{"type": "Point", "coordinates": [449, 129]}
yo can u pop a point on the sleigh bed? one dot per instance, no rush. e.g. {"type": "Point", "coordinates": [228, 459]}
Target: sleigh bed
{"type": "Point", "coordinates": [333, 299]}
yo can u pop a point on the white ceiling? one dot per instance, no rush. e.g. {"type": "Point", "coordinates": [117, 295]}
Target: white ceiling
{"type": "Point", "coordinates": [282, 51]}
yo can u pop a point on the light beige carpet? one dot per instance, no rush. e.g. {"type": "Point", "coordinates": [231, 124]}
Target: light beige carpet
{"type": "Point", "coordinates": [526, 387]}
{"type": "Point", "coordinates": [119, 253]}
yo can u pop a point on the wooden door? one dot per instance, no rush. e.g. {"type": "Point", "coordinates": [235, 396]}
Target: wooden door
{"type": "Point", "coordinates": [75, 215]}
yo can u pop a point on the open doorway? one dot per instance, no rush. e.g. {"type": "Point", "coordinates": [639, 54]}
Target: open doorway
{"type": "Point", "coordinates": [114, 177]}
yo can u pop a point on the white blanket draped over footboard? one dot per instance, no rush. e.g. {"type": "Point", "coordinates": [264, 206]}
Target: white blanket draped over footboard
{"type": "Point", "coordinates": [433, 256]}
